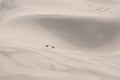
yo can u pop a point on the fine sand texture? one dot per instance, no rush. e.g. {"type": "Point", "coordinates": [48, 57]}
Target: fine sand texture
{"type": "Point", "coordinates": [59, 40]}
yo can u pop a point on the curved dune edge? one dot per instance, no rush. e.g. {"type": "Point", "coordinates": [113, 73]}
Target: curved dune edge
{"type": "Point", "coordinates": [63, 32]}
{"type": "Point", "coordinates": [59, 40]}
{"type": "Point", "coordinates": [31, 35]}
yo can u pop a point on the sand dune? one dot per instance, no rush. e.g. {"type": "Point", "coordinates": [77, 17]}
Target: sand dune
{"type": "Point", "coordinates": [59, 40]}
{"type": "Point", "coordinates": [82, 32]}
{"type": "Point", "coordinates": [17, 63]}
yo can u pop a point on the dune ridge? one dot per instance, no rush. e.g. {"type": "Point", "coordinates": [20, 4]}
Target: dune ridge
{"type": "Point", "coordinates": [59, 40]}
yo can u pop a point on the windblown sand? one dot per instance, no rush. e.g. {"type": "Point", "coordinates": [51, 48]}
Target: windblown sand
{"type": "Point", "coordinates": [59, 40]}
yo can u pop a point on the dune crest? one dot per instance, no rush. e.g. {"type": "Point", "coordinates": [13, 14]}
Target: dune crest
{"type": "Point", "coordinates": [59, 40]}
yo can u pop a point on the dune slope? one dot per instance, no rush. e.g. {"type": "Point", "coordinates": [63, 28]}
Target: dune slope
{"type": "Point", "coordinates": [59, 40]}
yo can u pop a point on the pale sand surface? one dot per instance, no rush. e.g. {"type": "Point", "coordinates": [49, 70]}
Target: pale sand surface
{"type": "Point", "coordinates": [59, 40]}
